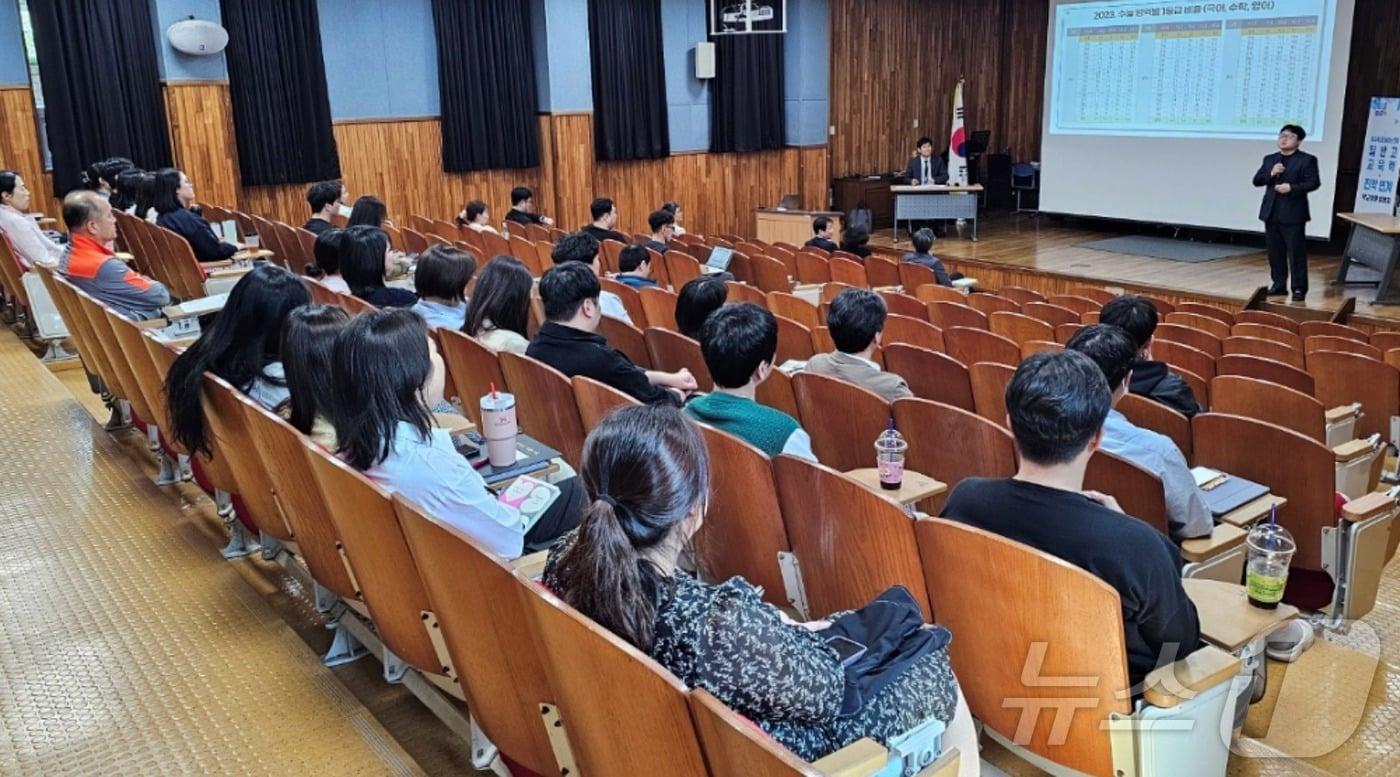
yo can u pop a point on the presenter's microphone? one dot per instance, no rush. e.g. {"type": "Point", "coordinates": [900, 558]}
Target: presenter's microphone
{"type": "Point", "coordinates": [1282, 160]}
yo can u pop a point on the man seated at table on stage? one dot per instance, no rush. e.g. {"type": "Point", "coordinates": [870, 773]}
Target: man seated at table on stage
{"type": "Point", "coordinates": [1114, 351]}
{"type": "Point", "coordinates": [822, 233]}
{"type": "Point", "coordinates": [1138, 317]}
{"type": "Point", "coordinates": [925, 168]}
{"type": "Point", "coordinates": [856, 318]}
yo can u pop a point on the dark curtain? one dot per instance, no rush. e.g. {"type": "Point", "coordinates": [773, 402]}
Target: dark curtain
{"type": "Point", "coordinates": [277, 82]}
{"type": "Point", "coordinates": [486, 78]}
{"type": "Point", "coordinates": [629, 80]}
{"type": "Point", "coordinates": [97, 60]}
{"type": "Point", "coordinates": [746, 95]}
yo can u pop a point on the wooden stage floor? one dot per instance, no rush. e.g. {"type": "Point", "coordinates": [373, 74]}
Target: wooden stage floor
{"type": "Point", "coordinates": [1045, 243]}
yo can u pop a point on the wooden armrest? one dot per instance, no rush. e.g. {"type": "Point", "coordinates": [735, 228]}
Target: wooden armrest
{"type": "Point", "coordinates": [1247, 514]}
{"type": "Point", "coordinates": [226, 272]}
{"type": "Point", "coordinates": [217, 263]}
{"type": "Point", "coordinates": [1222, 538]}
{"type": "Point", "coordinates": [1352, 449]}
{"type": "Point", "coordinates": [154, 323]}
{"type": "Point", "coordinates": [861, 757]}
{"type": "Point", "coordinates": [531, 565]}
{"type": "Point", "coordinates": [1167, 686]}
{"type": "Point", "coordinates": [878, 289]}
{"type": "Point", "coordinates": [1227, 619]}
{"type": "Point", "coordinates": [453, 423]}
{"type": "Point", "coordinates": [946, 765]}
{"type": "Point", "coordinates": [1366, 507]}
{"type": "Point", "coordinates": [1342, 412]}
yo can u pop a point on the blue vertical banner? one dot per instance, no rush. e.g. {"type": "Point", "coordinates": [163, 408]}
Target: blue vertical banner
{"type": "Point", "coordinates": [1380, 158]}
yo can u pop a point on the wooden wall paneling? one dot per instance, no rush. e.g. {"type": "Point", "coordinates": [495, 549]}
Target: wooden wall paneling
{"type": "Point", "coordinates": [19, 146]}
{"type": "Point", "coordinates": [814, 177]}
{"type": "Point", "coordinates": [572, 158]}
{"type": "Point", "coordinates": [201, 139]}
{"type": "Point", "coordinates": [1023, 79]}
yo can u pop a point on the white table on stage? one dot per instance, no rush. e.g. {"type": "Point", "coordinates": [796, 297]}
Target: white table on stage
{"type": "Point", "coordinates": [934, 202]}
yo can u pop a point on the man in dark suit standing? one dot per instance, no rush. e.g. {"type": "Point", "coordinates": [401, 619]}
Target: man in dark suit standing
{"type": "Point", "coordinates": [925, 168]}
{"type": "Point", "coordinates": [1287, 176]}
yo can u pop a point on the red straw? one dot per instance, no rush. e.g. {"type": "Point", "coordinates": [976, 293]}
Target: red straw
{"type": "Point", "coordinates": [493, 390]}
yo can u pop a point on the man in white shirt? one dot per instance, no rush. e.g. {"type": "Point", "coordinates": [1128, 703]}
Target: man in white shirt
{"type": "Point", "coordinates": [1114, 350]}
{"type": "Point", "coordinates": [32, 246]}
{"type": "Point", "coordinates": [583, 247]}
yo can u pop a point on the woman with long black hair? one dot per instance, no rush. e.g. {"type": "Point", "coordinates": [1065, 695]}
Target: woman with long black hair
{"type": "Point", "coordinates": [173, 196]}
{"type": "Point", "coordinates": [365, 261]}
{"type": "Point", "coordinates": [500, 306]}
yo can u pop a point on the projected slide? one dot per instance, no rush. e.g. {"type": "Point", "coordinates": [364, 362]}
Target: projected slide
{"type": "Point", "coordinates": [1233, 69]}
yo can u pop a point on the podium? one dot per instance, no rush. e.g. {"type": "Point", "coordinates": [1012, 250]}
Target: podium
{"type": "Point", "coordinates": [935, 202]}
{"type": "Point", "coordinates": [775, 225]}
{"type": "Point", "coordinates": [1374, 243]}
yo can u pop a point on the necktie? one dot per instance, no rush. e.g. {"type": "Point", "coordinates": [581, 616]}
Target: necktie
{"type": "Point", "coordinates": [925, 180]}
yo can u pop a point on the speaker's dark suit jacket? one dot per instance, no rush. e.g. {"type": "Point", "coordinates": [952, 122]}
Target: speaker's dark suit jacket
{"type": "Point", "coordinates": [1301, 174]}
{"type": "Point", "coordinates": [938, 169]}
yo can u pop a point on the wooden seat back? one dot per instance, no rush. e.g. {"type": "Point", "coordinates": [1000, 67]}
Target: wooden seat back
{"type": "Point", "coordinates": [186, 274]}
{"type": "Point", "coordinates": [1267, 349]}
{"type": "Point", "coordinates": [1180, 333]}
{"type": "Point", "coordinates": [882, 272]}
{"type": "Point", "coordinates": [1032, 347]}
{"type": "Point", "coordinates": [1063, 332]}
{"type": "Point", "coordinates": [1270, 402]}
{"type": "Point", "coordinates": [320, 293]}
{"type": "Point", "coordinates": [658, 307]}
{"type": "Point", "coordinates": [911, 331]}
{"type": "Point", "coordinates": [162, 357]}
{"type": "Point", "coordinates": [931, 375]}
{"type": "Point", "coordinates": [949, 444]}
{"type": "Point", "coordinates": [73, 319]}
{"type": "Point", "coordinates": [1099, 295]}
{"type": "Point", "coordinates": [852, 543]}
{"type": "Point", "coordinates": [1021, 295]}
{"type": "Point", "coordinates": [946, 315]}
{"type": "Point", "coordinates": [743, 292]}
{"type": "Point", "coordinates": [1266, 369]}
{"type": "Point", "coordinates": [493, 245]}
{"type": "Point", "coordinates": [743, 532]}
{"type": "Point", "coordinates": [847, 271]}
{"type": "Point", "coordinates": [812, 268]}
{"type": "Point", "coordinates": [135, 366]}
{"type": "Point", "coordinates": [989, 382]}
{"type": "Point", "coordinates": [1292, 465]}
{"type": "Point", "coordinates": [1268, 319]}
{"type": "Point", "coordinates": [1160, 419]}
{"type": "Point", "coordinates": [932, 292]}
{"type": "Point", "coordinates": [630, 299]}
{"type": "Point", "coordinates": [1211, 311]}
{"type": "Point", "coordinates": [604, 685]}
{"type": "Point", "coordinates": [119, 379]}
{"type": "Point", "coordinates": [971, 346]}
{"type": "Point", "coordinates": [833, 288]}
{"type": "Point", "coordinates": [626, 338]}
{"type": "Point", "coordinates": [1342, 378]}
{"type": "Point", "coordinates": [681, 268]}
{"type": "Point", "coordinates": [1208, 324]}
{"type": "Point", "coordinates": [794, 341]}
{"type": "Point", "coordinates": [769, 274]}
{"type": "Point", "coordinates": [776, 392]}
{"type": "Point", "coordinates": [474, 368]}
{"type": "Point", "coordinates": [296, 257]}
{"type": "Point", "coordinates": [1137, 491]}
{"type": "Point", "coordinates": [670, 351]}
{"type": "Point", "coordinates": [990, 303]}
{"type": "Point", "coordinates": [847, 442]}
{"type": "Point", "coordinates": [1311, 328]}
{"type": "Point", "coordinates": [544, 404]}
{"type": "Point", "coordinates": [1344, 344]}
{"type": "Point", "coordinates": [1019, 328]}
{"type": "Point", "coordinates": [1078, 304]}
{"type": "Point", "coordinates": [479, 603]}
{"type": "Point", "coordinates": [901, 304]}
{"type": "Point", "coordinates": [374, 545]}
{"type": "Point", "coordinates": [1078, 615]}
{"type": "Point", "coordinates": [1052, 314]}
{"type": "Point", "coordinates": [1184, 357]}
{"type": "Point", "coordinates": [596, 400]}
{"type": "Point", "coordinates": [913, 275]}
{"type": "Point", "coordinates": [10, 272]}
{"type": "Point", "coordinates": [735, 746]}
{"type": "Point", "coordinates": [230, 441]}
{"type": "Point", "coordinates": [1267, 332]}
{"type": "Point", "coordinates": [796, 308]}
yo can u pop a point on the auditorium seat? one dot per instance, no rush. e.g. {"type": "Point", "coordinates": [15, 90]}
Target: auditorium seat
{"type": "Point", "coordinates": [1383, 340]}
{"type": "Point", "coordinates": [1308, 329]}
{"type": "Point", "coordinates": [1063, 332]}
{"type": "Point", "coordinates": [882, 272]}
{"type": "Point", "coordinates": [1342, 378]}
{"type": "Point", "coordinates": [769, 274]}
{"type": "Point", "coordinates": [1160, 419]}
{"type": "Point", "coordinates": [812, 267]}
{"type": "Point", "coordinates": [848, 442]}
{"type": "Point", "coordinates": [1268, 332]}
{"type": "Point", "coordinates": [902, 304]}
{"type": "Point", "coordinates": [631, 301]}
{"type": "Point", "coordinates": [1211, 311]}
{"type": "Point", "coordinates": [1054, 315]}
{"type": "Point", "coordinates": [795, 308]}
{"type": "Point", "coordinates": [658, 306]}
{"type": "Point", "coordinates": [355, 305]}
{"type": "Point", "coordinates": [544, 404]}
{"type": "Point", "coordinates": [966, 570]}
{"type": "Point", "coordinates": [971, 346]}
{"type": "Point", "coordinates": [946, 315]}
{"type": "Point", "coordinates": [794, 341]}
{"type": "Point", "coordinates": [230, 441]}
{"type": "Point", "coordinates": [931, 375]}
{"type": "Point", "coordinates": [681, 268]}
{"type": "Point", "coordinates": [743, 292]}
{"type": "Point", "coordinates": [1266, 369]}
{"type": "Point", "coordinates": [1200, 387]}
{"type": "Point", "coordinates": [850, 542]}
{"type": "Point", "coordinates": [321, 294]}
{"type": "Point", "coordinates": [1268, 319]}
{"type": "Point", "coordinates": [1163, 307]}
{"type": "Point", "coordinates": [848, 271]}
{"type": "Point", "coordinates": [626, 338]}
{"type": "Point", "coordinates": [990, 303]}
{"type": "Point", "coordinates": [949, 444]}
{"type": "Point", "coordinates": [414, 242]}
{"type": "Point", "coordinates": [1019, 328]}
{"type": "Point", "coordinates": [833, 288]}
{"type": "Point", "coordinates": [603, 685]}
{"type": "Point", "coordinates": [670, 351]}
{"type": "Point", "coordinates": [914, 276]}
{"type": "Point", "coordinates": [912, 331]}
{"type": "Point", "coordinates": [596, 400]}
{"type": "Point", "coordinates": [1200, 323]}
{"type": "Point", "coordinates": [743, 533]}
{"type": "Point", "coordinates": [1021, 295]}
{"type": "Point", "coordinates": [989, 382]}
{"type": "Point", "coordinates": [1079, 305]}
{"type": "Point", "coordinates": [1137, 491]}
{"type": "Point", "coordinates": [1099, 295]}
{"type": "Point", "coordinates": [932, 292]}
{"type": "Point", "coordinates": [608, 255]}
{"type": "Point", "coordinates": [1032, 347]}
{"type": "Point", "coordinates": [1344, 344]}
{"type": "Point", "coordinates": [1187, 335]}
{"type": "Point", "coordinates": [1185, 357]}
{"type": "Point", "coordinates": [1266, 349]}
{"type": "Point", "coordinates": [776, 392]}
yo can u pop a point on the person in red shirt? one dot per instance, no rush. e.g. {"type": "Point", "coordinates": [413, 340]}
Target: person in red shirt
{"type": "Point", "coordinates": [91, 266]}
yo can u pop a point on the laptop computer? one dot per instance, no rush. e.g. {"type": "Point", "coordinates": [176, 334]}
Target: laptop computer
{"type": "Point", "coordinates": [719, 260]}
{"type": "Point", "coordinates": [790, 202]}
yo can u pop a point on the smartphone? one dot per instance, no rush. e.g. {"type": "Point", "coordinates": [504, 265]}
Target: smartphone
{"type": "Point", "coordinates": [849, 650]}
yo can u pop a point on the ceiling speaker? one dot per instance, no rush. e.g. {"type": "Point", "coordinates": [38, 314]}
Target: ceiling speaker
{"type": "Point", "coordinates": [197, 37]}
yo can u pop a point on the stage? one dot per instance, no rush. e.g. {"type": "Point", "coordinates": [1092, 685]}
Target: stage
{"type": "Point", "coordinates": [1041, 244]}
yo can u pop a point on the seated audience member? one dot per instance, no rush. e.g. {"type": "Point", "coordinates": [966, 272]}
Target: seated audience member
{"type": "Point", "coordinates": [90, 264]}
{"type": "Point", "coordinates": [500, 308]}
{"type": "Point", "coordinates": [923, 244]}
{"type": "Point", "coordinates": [326, 200]}
{"type": "Point", "coordinates": [583, 247]}
{"type": "Point", "coordinates": [855, 318]}
{"type": "Point", "coordinates": [174, 194]}
{"type": "Point", "coordinates": [698, 298]}
{"type": "Point", "coordinates": [674, 208]}
{"type": "Point", "coordinates": [635, 265]}
{"type": "Point", "coordinates": [663, 228]}
{"type": "Point", "coordinates": [604, 213]}
{"type": "Point", "coordinates": [1057, 403]}
{"type": "Point", "coordinates": [522, 208]}
{"type": "Point", "coordinates": [855, 240]}
{"type": "Point", "coordinates": [365, 261]}
{"type": "Point", "coordinates": [441, 280]}
{"type": "Point", "coordinates": [326, 268]}
{"type": "Point", "coordinates": [821, 235]}
{"type": "Point", "coordinates": [307, 341]}
{"type": "Point", "coordinates": [102, 177]}
{"type": "Point", "coordinates": [568, 340]}
{"type": "Point", "coordinates": [243, 346]}
{"type": "Point", "coordinates": [1138, 317]}
{"type": "Point", "coordinates": [368, 212]}
{"type": "Point", "coordinates": [143, 203]}
{"type": "Point", "coordinates": [739, 343]}
{"type": "Point", "coordinates": [647, 481]}
{"type": "Point", "coordinates": [128, 185]}
{"type": "Point", "coordinates": [1114, 351]}
{"type": "Point", "coordinates": [31, 245]}
{"type": "Point", "coordinates": [476, 217]}
{"type": "Point", "coordinates": [385, 375]}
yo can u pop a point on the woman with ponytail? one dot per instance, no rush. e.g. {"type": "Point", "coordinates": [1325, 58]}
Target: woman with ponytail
{"type": "Point", "coordinates": [646, 477]}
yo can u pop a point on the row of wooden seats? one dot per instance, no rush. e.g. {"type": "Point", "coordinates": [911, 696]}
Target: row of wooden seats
{"type": "Point", "coordinates": [161, 254]}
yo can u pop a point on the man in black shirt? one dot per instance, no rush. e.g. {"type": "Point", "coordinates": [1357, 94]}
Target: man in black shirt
{"type": "Point", "coordinates": [1057, 402]}
{"type": "Point", "coordinates": [568, 341]}
{"type": "Point", "coordinates": [663, 228]}
{"type": "Point", "coordinates": [522, 208]}
{"type": "Point", "coordinates": [821, 235]}
{"type": "Point", "coordinates": [604, 213]}
{"type": "Point", "coordinates": [1138, 317]}
{"type": "Point", "coordinates": [326, 199]}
